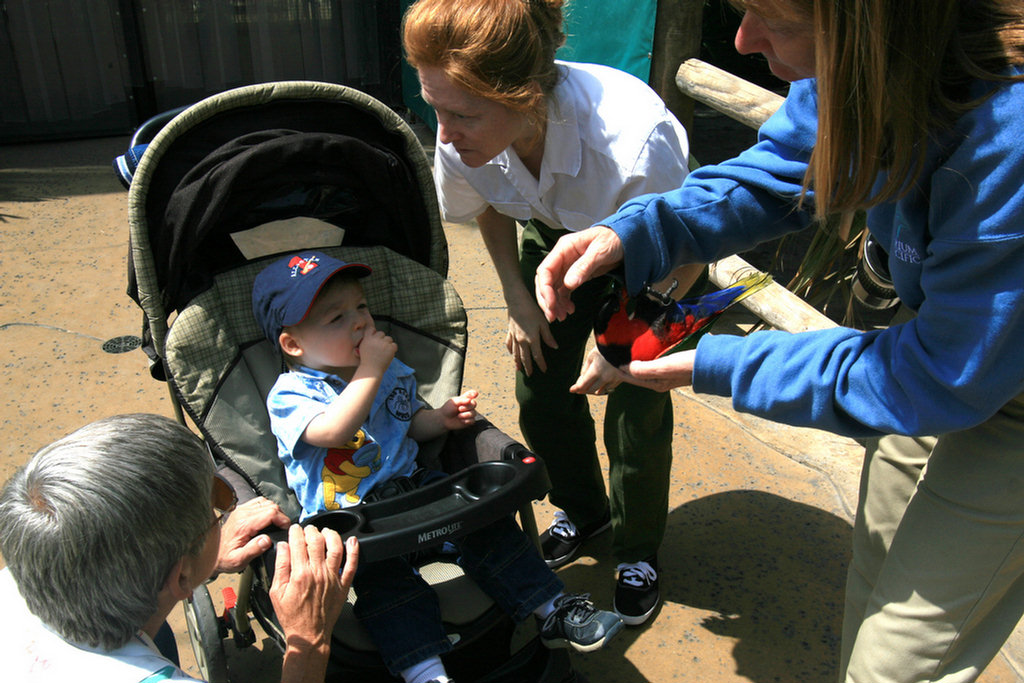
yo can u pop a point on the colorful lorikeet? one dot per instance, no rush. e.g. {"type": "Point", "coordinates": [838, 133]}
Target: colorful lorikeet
{"type": "Point", "coordinates": [644, 328]}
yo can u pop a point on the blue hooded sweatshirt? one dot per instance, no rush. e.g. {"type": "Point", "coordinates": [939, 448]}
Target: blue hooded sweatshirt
{"type": "Point", "coordinates": [956, 255]}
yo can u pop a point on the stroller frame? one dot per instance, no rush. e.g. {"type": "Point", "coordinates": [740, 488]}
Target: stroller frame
{"type": "Point", "coordinates": [184, 267]}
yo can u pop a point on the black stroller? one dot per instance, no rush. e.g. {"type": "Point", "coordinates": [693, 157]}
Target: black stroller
{"type": "Point", "coordinates": [224, 187]}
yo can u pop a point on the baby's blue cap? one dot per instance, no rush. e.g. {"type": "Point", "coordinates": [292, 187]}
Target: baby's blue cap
{"type": "Point", "coordinates": [284, 291]}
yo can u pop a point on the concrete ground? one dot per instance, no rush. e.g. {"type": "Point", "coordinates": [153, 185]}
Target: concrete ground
{"type": "Point", "coordinates": [754, 559]}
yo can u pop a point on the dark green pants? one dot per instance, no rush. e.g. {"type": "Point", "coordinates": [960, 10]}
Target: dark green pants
{"type": "Point", "coordinates": [558, 426]}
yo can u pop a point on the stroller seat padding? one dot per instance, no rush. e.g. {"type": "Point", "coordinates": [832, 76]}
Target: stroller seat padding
{"type": "Point", "coordinates": [221, 367]}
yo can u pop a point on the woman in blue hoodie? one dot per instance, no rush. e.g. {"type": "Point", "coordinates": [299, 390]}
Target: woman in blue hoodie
{"type": "Point", "coordinates": [913, 110]}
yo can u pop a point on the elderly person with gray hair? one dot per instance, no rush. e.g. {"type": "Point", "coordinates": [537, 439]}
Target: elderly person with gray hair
{"type": "Point", "coordinates": [107, 529]}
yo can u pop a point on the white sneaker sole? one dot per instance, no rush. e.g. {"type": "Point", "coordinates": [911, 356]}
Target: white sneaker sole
{"type": "Point", "coordinates": [562, 643]}
{"type": "Point", "coordinates": [556, 562]}
{"type": "Point", "coordinates": [636, 620]}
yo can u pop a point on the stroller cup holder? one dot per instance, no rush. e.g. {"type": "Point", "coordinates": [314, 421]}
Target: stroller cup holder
{"type": "Point", "coordinates": [424, 518]}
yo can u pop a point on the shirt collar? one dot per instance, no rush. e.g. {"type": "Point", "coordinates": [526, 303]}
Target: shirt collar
{"type": "Point", "coordinates": [396, 368]}
{"type": "Point", "coordinates": [563, 148]}
{"type": "Point", "coordinates": [319, 374]}
{"type": "Point", "coordinates": [146, 640]}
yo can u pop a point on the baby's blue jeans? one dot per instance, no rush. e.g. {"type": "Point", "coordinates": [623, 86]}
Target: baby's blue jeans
{"type": "Point", "coordinates": [401, 612]}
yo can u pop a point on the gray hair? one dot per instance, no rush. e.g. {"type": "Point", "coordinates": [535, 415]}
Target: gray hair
{"type": "Point", "coordinates": [92, 525]}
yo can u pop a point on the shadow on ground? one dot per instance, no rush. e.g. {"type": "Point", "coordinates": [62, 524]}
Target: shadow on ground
{"type": "Point", "coordinates": [769, 573]}
{"type": "Point", "coordinates": [44, 171]}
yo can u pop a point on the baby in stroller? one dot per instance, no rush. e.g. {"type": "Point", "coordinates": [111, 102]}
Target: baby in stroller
{"type": "Point", "coordinates": [348, 423]}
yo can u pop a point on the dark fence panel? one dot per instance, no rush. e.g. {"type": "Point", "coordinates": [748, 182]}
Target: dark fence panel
{"type": "Point", "coordinates": [94, 67]}
{"type": "Point", "coordinates": [63, 69]}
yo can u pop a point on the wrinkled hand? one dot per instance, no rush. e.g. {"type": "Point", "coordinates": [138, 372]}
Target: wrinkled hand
{"type": "Point", "coordinates": [661, 374]}
{"type": "Point", "coordinates": [575, 258]}
{"type": "Point", "coordinates": [459, 412]}
{"type": "Point", "coordinates": [310, 587]}
{"type": "Point", "coordinates": [528, 331]}
{"type": "Point", "coordinates": [376, 350]}
{"type": "Point", "coordinates": [240, 540]}
{"type": "Point", "coordinates": [598, 376]}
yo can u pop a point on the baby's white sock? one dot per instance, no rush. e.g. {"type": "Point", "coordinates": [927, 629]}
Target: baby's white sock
{"type": "Point", "coordinates": [428, 670]}
{"type": "Point", "coordinates": [548, 607]}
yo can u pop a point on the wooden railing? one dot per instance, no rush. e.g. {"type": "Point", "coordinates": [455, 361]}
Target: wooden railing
{"type": "Point", "coordinates": [751, 105]}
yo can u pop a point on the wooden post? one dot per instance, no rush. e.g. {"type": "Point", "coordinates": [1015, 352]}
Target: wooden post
{"type": "Point", "coordinates": [751, 105]}
{"type": "Point", "coordinates": [776, 305]}
{"type": "Point", "coordinates": [735, 97]}
{"type": "Point", "coordinates": [677, 33]}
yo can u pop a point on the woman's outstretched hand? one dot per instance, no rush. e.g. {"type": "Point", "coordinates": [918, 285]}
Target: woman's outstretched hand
{"type": "Point", "coordinates": [661, 374]}
{"type": "Point", "coordinates": [575, 258]}
{"type": "Point", "coordinates": [598, 376]}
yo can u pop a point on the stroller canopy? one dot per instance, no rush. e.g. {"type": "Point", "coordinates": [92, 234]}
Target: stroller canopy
{"type": "Point", "coordinates": [251, 156]}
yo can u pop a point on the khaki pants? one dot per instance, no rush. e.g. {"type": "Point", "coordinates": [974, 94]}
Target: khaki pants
{"type": "Point", "coordinates": [936, 583]}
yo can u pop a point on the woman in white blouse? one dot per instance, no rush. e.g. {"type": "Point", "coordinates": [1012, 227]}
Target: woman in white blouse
{"type": "Point", "coordinates": [556, 147]}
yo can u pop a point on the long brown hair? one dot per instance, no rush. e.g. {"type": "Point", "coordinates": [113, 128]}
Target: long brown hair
{"type": "Point", "coordinates": [891, 73]}
{"type": "Point", "coordinates": [502, 50]}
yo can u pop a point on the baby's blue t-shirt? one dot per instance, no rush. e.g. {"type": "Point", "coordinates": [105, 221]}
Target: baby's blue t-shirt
{"type": "Point", "coordinates": [334, 478]}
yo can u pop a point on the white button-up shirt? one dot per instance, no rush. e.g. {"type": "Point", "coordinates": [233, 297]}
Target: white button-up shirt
{"type": "Point", "coordinates": [609, 138]}
{"type": "Point", "coordinates": [31, 651]}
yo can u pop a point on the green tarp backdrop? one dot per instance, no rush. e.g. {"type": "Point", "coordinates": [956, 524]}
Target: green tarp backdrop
{"type": "Point", "coordinates": [611, 32]}
{"type": "Point", "coordinates": [617, 33]}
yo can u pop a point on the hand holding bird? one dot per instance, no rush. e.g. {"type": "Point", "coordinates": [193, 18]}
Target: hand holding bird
{"type": "Point", "coordinates": [644, 328]}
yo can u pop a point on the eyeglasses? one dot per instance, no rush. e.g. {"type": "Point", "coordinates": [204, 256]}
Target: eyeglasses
{"type": "Point", "coordinates": [222, 499]}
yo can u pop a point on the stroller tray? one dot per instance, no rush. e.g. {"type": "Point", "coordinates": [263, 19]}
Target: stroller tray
{"type": "Point", "coordinates": [427, 517]}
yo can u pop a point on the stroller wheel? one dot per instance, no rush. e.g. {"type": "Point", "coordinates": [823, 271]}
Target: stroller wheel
{"type": "Point", "coordinates": [205, 634]}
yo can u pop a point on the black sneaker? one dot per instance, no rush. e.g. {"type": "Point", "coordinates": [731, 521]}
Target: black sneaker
{"type": "Point", "coordinates": [636, 591]}
{"type": "Point", "coordinates": [562, 540]}
{"type": "Point", "coordinates": [576, 623]}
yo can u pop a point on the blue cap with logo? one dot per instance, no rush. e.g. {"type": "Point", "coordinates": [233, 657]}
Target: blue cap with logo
{"type": "Point", "coordinates": [284, 291]}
